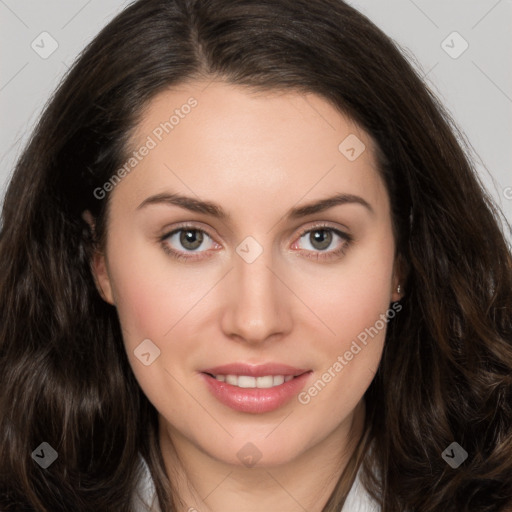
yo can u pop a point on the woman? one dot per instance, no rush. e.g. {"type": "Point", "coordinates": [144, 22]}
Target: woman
{"type": "Point", "coordinates": [247, 265]}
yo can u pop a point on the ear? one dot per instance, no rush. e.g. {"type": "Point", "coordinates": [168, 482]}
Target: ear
{"type": "Point", "coordinates": [99, 267]}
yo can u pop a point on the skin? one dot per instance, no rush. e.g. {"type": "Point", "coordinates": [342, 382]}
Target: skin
{"type": "Point", "coordinates": [257, 155]}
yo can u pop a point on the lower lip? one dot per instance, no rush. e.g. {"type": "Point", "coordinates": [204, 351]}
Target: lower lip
{"type": "Point", "coordinates": [255, 400]}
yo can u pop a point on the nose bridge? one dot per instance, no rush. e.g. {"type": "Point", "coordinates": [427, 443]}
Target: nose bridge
{"type": "Point", "coordinates": [255, 282]}
{"type": "Point", "coordinates": [257, 306]}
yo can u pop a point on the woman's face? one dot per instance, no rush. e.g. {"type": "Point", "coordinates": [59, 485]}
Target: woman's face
{"type": "Point", "coordinates": [263, 320]}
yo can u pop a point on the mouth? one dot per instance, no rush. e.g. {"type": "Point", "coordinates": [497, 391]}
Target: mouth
{"type": "Point", "coordinates": [255, 388]}
{"type": "Point", "coordinates": [248, 382]}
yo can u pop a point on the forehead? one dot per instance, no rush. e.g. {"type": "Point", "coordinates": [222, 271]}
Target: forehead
{"type": "Point", "coordinates": [249, 147]}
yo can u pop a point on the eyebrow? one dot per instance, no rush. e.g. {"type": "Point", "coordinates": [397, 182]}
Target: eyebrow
{"type": "Point", "coordinates": [215, 210]}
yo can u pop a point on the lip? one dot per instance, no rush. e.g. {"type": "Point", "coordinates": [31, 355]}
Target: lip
{"type": "Point", "coordinates": [255, 400]}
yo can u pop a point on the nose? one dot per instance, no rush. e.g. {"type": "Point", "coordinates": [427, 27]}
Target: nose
{"type": "Point", "coordinates": [258, 307]}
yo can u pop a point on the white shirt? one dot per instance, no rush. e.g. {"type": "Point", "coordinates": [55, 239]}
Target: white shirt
{"type": "Point", "coordinates": [145, 500]}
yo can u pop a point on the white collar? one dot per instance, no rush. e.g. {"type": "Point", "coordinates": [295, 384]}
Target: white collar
{"type": "Point", "coordinates": [145, 499]}
{"type": "Point", "coordinates": [358, 499]}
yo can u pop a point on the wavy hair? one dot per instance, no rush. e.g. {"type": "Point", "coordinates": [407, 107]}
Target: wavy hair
{"type": "Point", "coordinates": [446, 369]}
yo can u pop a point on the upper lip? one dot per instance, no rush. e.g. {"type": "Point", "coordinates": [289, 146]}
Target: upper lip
{"type": "Point", "coordinates": [255, 370]}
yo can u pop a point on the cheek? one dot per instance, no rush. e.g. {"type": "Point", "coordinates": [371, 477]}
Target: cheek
{"type": "Point", "coordinates": [351, 297]}
{"type": "Point", "coordinates": [157, 300]}
{"type": "Point", "coordinates": [352, 302]}
{"type": "Point", "coordinates": [141, 304]}
{"type": "Point", "coordinates": [152, 292]}
{"type": "Point", "coordinates": [151, 301]}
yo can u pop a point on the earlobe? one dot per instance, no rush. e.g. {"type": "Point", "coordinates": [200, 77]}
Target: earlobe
{"type": "Point", "coordinates": [99, 266]}
{"type": "Point", "coordinates": [397, 283]}
{"type": "Point", "coordinates": [397, 293]}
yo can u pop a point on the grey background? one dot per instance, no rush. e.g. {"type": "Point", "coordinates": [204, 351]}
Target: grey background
{"type": "Point", "coordinates": [476, 87]}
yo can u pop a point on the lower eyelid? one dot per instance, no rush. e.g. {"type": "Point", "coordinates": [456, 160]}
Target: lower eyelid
{"type": "Point", "coordinates": [319, 255]}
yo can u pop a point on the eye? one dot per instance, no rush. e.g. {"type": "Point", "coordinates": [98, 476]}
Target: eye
{"type": "Point", "coordinates": [319, 239]}
{"type": "Point", "coordinates": [181, 242]}
{"type": "Point", "coordinates": [189, 243]}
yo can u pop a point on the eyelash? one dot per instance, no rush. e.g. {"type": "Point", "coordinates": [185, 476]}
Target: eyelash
{"type": "Point", "coordinates": [322, 255]}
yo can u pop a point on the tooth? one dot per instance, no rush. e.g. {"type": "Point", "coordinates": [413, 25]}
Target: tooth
{"type": "Point", "coordinates": [244, 381]}
{"type": "Point", "coordinates": [265, 382]}
{"type": "Point", "coordinates": [247, 381]}
{"type": "Point", "coordinates": [232, 379]}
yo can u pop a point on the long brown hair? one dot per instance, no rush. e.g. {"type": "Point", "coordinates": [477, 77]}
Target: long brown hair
{"type": "Point", "coordinates": [446, 369]}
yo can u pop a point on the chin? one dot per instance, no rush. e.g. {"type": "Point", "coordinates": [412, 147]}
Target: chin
{"type": "Point", "coordinates": [258, 452]}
